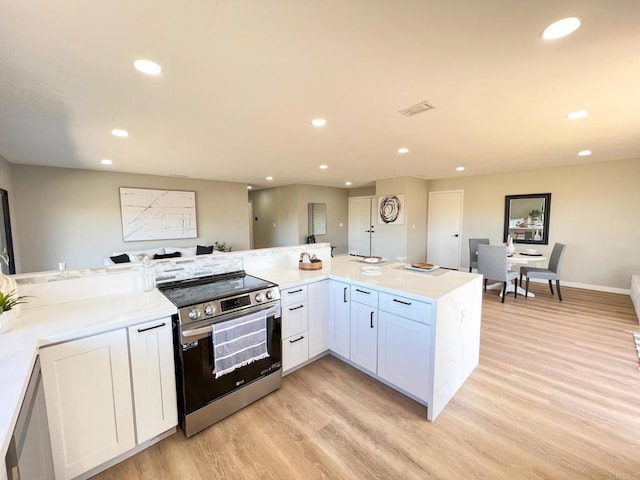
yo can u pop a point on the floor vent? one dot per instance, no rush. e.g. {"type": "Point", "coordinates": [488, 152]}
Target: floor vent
{"type": "Point", "coordinates": [418, 108]}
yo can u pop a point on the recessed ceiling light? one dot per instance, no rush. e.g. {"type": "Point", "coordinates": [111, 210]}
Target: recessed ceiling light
{"type": "Point", "coordinates": [561, 28]}
{"type": "Point", "coordinates": [269, 179]}
{"type": "Point", "coordinates": [318, 122]}
{"type": "Point", "coordinates": [324, 167]}
{"type": "Point", "coordinates": [118, 132]}
{"type": "Point", "coordinates": [403, 150]}
{"type": "Point", "coordinates": [106, 161]}
{"type": "Point", "coordinates": [577, 114]}
{"type": "Point", "coordinates": [347, 183]}
{"type": "Point", "coordinates": [460, 169]}
{"type": "Point", "coordinates": [249, 187]}
{"type": "Point", "coordinates": [584, 153]}
{"type": "Point", "coordinates": [147, 67]}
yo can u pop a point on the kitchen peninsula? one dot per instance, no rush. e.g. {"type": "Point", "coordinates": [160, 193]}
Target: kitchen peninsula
{"type": "Point", "coordinates": [417, 332]}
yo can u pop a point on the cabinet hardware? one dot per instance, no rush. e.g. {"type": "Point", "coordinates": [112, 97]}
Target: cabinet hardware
{"type": "Point", "coordinates": [345, 294]}
{"type": "Point", "coordinates": [140, 330]}
{"type": "Point", "coordinates": [297, 339]}
{"type": "Point", "coordinates": [295, 291]}
{"type": "Point", "coordinates": [400, 301]}
{"type": "Point", "coordinates": [371, 319]}
{"type": "Point", "coordinates": [363, 291]}
{"type": "Point", "coordinates": [296, 308]}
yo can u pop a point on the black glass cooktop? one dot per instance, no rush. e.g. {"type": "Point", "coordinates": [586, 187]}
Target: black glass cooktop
{"type": "Point", "coordinates": [205, 289]}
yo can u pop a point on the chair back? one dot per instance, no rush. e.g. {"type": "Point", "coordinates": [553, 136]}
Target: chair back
{"type": "Point", "coordinates": [473, 248]}
{"type": "Point", "coordinates": [557, 254]}
{"type": "Point", "coordinates": [492, 262]}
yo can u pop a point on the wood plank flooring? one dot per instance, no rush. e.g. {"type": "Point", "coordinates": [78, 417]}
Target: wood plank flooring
{"type": "Point", "coordinates": [556, 396]}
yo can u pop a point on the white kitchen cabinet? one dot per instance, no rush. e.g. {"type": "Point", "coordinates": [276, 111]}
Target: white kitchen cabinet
{"type": "Point", "coordinates": [318, 294]}
{"type": "Point", "coordinates": [153, 378]}
{"type": "Point", "coordinates": [404, 353]}
{"type": "Point", "coordinates": [88, 395]}
{"type": "Point", "coordinates": [295, 326]}
{"type": "Point", "coordinates": [364, 336]}
{"type": "Point", "coordinates": [339, 316]}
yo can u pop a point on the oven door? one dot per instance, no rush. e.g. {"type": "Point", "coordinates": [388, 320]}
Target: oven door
{"type": "Point", "coordinates": [196, 381]}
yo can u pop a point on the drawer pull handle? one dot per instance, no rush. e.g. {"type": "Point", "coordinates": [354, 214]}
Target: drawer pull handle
{"type": "Point", "coordinates": [345, 294]}
{"type": "Point", "coordinates": [371, 319]}
{"type": "Point", "coordinates": [363, 291]}
{"type": "Point", "coordinates": [400, 301]}
{"type": "Point", "coordinates": [294, 291]}
{"type": "Point", "coordinates": [140, 330]}
{"type": "Point", "coordinates": [296, 308]}
{"type": "Point", "coordinates": [297, 339]}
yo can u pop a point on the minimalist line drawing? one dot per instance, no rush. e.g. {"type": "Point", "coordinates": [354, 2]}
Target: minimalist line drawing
{"type": "Point", "coordinates": [149, 214]}
{"type": "Point", "coordinates": [390, 209]}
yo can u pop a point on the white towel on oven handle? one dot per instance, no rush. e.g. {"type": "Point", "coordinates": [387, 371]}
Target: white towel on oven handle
{"type": "Point", "coordinates": [239, 342]}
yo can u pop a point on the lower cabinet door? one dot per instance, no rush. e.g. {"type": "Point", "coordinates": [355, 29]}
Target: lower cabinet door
{"type": "Point", "coordinates": [364, 336]}
{"type": "Point", "coordinates": [404, 354]}
{"type": "Point", "coordinates": [88, 395]}
{"type": "Point", "coordinates": [153, 378]}
{"type": "Point", "coordinates": [339, 315]}
{"type": "Point", "coordinates": [295, 350]}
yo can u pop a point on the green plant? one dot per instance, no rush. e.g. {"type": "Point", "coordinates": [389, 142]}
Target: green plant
{"type": "Point", "coordinates": [221, 247]}
{"type": "Point", "coordinates": [535, 213]}
{"type": "Point", "coordinates": [10, 300]}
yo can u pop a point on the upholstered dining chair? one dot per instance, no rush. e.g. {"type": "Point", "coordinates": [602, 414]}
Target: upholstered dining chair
{"type": "Point", "coordinates": [492, 263]}
{"type": "Point", "coordinates": [551, 273]}
{"type": "Point", "coordinates": [473, 251]}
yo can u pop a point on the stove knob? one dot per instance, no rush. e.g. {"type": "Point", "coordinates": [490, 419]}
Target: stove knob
{"type": "Point", "coordinates": [193, 314]}
{"type": "Point", "coordinates": [209, 310]}
{"type": "Point", "coordinates": [260, 297]}
{"type": "Point", "coordinates": [270, 295]}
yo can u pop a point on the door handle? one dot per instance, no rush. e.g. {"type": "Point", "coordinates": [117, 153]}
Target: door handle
{"type": "Point", "coordinates": [371, 320]}
{"type": "Point", "coordinates": [140, 330]}
{"type": "Point", "coordinates": [455, 235]}
{"type": "Point", "coordinates": [345, 294]}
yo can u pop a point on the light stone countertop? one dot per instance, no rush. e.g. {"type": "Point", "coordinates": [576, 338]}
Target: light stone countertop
{"type": "Point", "coordinates": [42, 326]}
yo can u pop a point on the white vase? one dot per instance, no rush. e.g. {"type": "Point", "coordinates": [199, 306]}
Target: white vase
{"type": "Point", "coordinates": [511, 248]}
{"type": "Point", "coordinates": [7, 320]}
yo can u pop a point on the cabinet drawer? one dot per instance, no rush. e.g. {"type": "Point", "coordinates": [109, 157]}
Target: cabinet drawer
{"type": "Point", "coordinates": [406, 307]}
{"type": "Point", "coordinates": [364, 295]}
{"type": "Point", "coordinates": [295, 350]}
{"type": "Point", "coordinates": [293, 295]}
{"type": "Point", "coordinates": [294, 319]}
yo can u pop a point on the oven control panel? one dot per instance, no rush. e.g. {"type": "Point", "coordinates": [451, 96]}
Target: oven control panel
{"type": "Point", "coordinates": [214, 308]}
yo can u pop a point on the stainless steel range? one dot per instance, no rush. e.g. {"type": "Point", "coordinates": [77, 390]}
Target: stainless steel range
{"type": "Point", "coordinates": [227, 338]}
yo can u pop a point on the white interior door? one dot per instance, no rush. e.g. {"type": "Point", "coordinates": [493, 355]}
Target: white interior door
{"type": "Point", "coordinates": [444, 228]}
{"type": "Point", "coordinates": [361, 227]}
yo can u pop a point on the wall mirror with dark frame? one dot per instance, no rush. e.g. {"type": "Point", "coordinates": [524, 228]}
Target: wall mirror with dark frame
{"type": "Point", "coordinates": [317, 219]}
{"type": "Point", "coordinates": [526, 218]}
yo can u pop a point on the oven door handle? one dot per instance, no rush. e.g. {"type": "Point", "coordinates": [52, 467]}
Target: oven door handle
{"type": "Point", "coordinates": [203, 331]}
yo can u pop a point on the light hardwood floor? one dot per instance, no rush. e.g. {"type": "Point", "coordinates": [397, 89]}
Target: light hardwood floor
{"type": "Point", "coordinates": [556, 396]}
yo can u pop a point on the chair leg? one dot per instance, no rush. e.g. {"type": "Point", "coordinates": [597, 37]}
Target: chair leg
{"type": "Point", "coordinates": [470, 268]}
{"type": "Point", "coordinates": [558, 286]}
{"type": "Point", "coordinates": [526, 290]}
{"type": "Point", "coordinates": [515, 292]}
{"type": "Point", "coordinates": [504, 290]}
{"type": "Point", "coordinates": [551, 287]}
{"type": "Point", "coordinates": [485, 284]}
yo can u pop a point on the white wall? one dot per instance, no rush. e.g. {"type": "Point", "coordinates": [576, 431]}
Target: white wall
{"type": "Point", "coordinates": [74, 215]}
{"type": "Point", "coordinates": [595, 210]}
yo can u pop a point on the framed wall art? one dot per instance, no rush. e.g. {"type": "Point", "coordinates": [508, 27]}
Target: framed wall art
{"type": "Point", "coordinates": [149, 214]}
{"type": "Point", "coordinates": [391, 210]}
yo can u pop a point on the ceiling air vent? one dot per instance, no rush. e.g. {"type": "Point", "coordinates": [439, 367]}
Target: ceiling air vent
{"type": "Point", "coordinates": [417, 108]}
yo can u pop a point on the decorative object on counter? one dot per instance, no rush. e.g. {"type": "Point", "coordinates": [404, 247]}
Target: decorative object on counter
{"type": "Point", "coordinates": [221, 247]}
{"type": "Point", "coordinates": [422, 267]}
{"type": "Point", "coordinates": [8, 283]}
{"type": "Point", "coordinates": [308, 262]}
{"type": "Point", "coordinates": [511, 248]}
{"type": "Point", "coordinates": [149, 214]}
{"type": "Point", "coordinates": [372, 259]}
{"type": "Point", "coordinates": [149, 275]}
{"type": "Point", "coordinates": [204, 249]}
{"type": "Point", "coordinates": [8, 302]}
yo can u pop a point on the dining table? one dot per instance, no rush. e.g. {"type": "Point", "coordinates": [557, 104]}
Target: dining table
{"type": "Point", "coordinates": [517, 260]}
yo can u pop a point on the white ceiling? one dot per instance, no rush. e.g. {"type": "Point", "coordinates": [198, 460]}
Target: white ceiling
{"type": "Point", "coordinates": [243, 79]}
